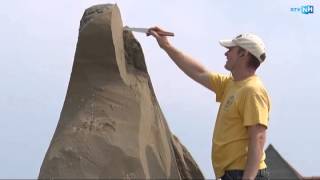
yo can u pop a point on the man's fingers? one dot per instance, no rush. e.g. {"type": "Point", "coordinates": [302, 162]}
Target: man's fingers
{"type": "Point", "coordinates": [153, 33]}
{"type": "Point", "coordinates": [157, 29]}
{"type": "Point", "coordinates": [162, 39]}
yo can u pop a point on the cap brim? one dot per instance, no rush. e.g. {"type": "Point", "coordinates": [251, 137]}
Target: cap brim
{"type": "Point", "coordinates": [227, 43]}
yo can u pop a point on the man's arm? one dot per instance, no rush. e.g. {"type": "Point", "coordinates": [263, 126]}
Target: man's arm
{"type": "Point", "coordinates": [187, 64]}
{"type": "Point", "coordinates": [257, 138]}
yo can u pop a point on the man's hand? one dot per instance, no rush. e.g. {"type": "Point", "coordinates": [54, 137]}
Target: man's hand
{"type": "Point", "coordinates": [162, 40]}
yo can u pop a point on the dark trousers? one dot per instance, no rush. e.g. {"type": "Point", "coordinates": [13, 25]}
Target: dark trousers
{"type": "Point", "coordinates": [262, 174]}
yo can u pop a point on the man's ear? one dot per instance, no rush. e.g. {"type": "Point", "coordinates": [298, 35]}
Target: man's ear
{"type": "Point", "coordinates": [244, 53]}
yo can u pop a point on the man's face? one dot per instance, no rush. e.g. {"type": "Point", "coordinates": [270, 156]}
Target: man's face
{"type": "Point", "coordinates": [232, 56]}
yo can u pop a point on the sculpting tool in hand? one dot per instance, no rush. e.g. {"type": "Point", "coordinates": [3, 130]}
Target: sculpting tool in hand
{"type": "Point", "coordinates": [146, 30]}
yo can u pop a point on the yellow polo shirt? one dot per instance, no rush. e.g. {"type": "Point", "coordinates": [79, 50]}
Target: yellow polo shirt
{"type": "Point", "coordinates": [242, 103]}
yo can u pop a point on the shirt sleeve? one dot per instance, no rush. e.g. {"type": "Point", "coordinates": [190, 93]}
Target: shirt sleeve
{"type": "Point", "coordinates": [218, 83]}
{"type": "Point", "coordinates": [256, 108]}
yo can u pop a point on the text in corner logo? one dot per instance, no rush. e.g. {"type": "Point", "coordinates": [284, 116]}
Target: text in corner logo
{"type": "Point", "coordinates": [306, 9]}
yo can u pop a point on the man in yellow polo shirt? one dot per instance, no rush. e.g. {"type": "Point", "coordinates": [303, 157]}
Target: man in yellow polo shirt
{"type": "Point", "coordinates": [241, 124]}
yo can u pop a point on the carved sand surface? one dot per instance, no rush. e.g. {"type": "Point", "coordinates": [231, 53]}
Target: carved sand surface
{"type": "Point", "coordinates": [111, 125]}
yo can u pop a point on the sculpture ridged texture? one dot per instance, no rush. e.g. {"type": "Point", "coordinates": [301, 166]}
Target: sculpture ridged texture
{"type": "Point", "coordinates": [111, 125]}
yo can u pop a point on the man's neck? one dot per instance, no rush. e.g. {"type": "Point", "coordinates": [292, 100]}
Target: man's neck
{"type": "Point", "coordinates": [241, 75]}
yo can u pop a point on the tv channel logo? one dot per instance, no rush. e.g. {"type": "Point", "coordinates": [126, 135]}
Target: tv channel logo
{"type": "Point", "coordinates": [306, 9]}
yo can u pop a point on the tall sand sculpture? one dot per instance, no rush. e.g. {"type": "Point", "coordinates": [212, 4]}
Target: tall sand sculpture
{"type": "Point", "coordinates": [111, 125]}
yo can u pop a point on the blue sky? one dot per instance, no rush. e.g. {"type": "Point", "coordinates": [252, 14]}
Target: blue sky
{"type": "Point", "coordinates": [38, 40]}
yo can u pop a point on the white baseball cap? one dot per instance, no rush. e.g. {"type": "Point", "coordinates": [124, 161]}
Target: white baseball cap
{"type": "Point", "coordinates": [249, 42]}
